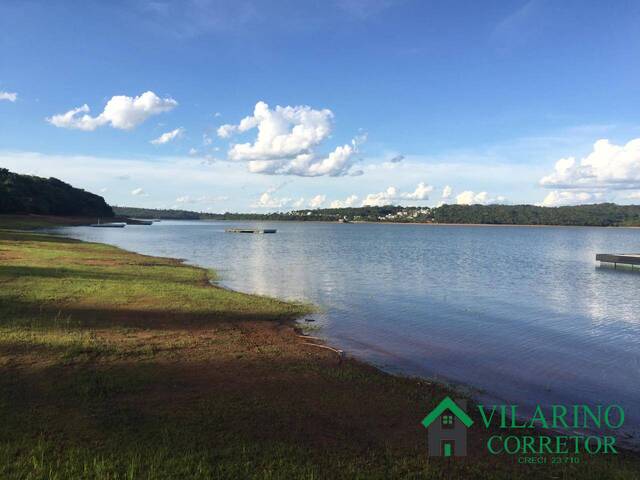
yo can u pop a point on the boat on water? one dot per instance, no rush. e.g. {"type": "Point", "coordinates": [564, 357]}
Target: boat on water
{"type": "Point", "coordinates": [138, 221]}
{"type": "Point", "coordinates": [109, 225]}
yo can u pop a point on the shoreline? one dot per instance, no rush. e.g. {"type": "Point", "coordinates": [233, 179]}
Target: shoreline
{"type": "Point", "coordinates": [253, 366]}
{"type": "Point", "coordinates": [42, 221]}
{"type": "Point", "coordinates": [431, 224]}
{"type": "Point", "coordinates": [462, 390]}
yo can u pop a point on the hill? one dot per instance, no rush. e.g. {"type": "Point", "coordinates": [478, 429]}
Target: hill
{"type": "Point", "coordinates": [597, 215]}
{"type": "Point", "coordinates": [28, 194]}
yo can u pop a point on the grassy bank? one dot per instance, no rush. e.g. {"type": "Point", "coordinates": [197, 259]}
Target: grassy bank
{"type": "Point", "coordinates": [117, 365]}
{"type": "Point", "coordinates": [29, 222]}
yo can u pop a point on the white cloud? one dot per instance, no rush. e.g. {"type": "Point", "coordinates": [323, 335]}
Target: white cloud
{"type": "Point", "coordinates": [298, 203]}
{"type": "Point", "coordinates": [560, 198]}
{"type": "Point", "coordinates": [446, 192]}
{"type": "Point", "coordinates": [286, 142]}
{"type": "Point", "coordinates": [608, 166]}
{"type": "Point", "coordinates": [317, 201]}
{"type": "Point", "coordinates": [282, 133]}
{"type": "Point", "coordinates": [470, 198]}
{"type": "Point", "coordinates": [9, 96]}
{"type": "Point", "coordinates": [201, 199]}
{"type": "Point", "coordinates": [225, 131]}
{"type": "Point", "coordinates": [350, 201]}
{"type": "Point", "coordinates": [268, 200]}
{"type": "Point", "coordinates": [421, 192]}
{"type": "Point", "coordinates": [193, 151]}
{"type": "Point", "coordinates": [381, 198]}
{"type": "Point", "coordinates": [138, 192]}
{"type": "Point", "coordinates": [482, 198]}
{"type": "Point", "coordinates": [391, 194]}
{"type": "Point", "coordinates": [206, 139]}
{"type": "Point", "coordinates": [634, 196]}
{"type": "Point", "coordinates": [168, 136]}
{"type": "Point", "coordinates": [120, 112]}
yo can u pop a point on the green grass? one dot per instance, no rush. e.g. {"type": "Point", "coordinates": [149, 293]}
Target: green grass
{"type": "Point", "coordinates": [119, 366]}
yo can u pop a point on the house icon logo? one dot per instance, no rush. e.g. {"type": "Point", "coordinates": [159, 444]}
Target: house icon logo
{"type": "Point", "coordinates": [447, 426]}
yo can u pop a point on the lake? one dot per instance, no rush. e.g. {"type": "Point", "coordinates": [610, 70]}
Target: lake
{"type": "Point", "coordinates": [518, 314]}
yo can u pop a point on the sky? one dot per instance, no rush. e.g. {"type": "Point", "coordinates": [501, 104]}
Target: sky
{"type": "Point", "coordinates": [258, 106]}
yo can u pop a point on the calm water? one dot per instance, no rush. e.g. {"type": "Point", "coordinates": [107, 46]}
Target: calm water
{"type": "Point", "coordinates": [519, 314]}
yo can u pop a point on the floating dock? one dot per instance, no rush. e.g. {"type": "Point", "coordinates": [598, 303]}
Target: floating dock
{"type": "Point", "coordinates": [628, 259]}
{"type": "Point", "coordinates": [251, 230]}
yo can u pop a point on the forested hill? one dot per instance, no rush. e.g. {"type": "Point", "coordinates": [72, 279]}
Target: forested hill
{"type": "Point", "coordinates": [21, 194]}
{"type": "Point", "coordinates": [601, 215]}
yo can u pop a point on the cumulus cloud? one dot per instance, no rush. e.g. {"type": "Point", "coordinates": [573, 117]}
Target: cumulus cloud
{"type": "Point", "coordinates": [391, 194]}
{"type": "Point", "coordinates": [561, 198]}
{"type": "Point", "coordinates": [287, 140]}
{"type": "Point", "coordinates": [317, 201]}
{"type": "Point", "coordinates": [9, 96]}
{"type": "Point", "coordinates": [168, 136]}
{"type": "Point", "coordinates": [471, 198]}
{"type": "Point", "coordinates": [421, 192]}
{"type": "Point", "coordinates": [201, 199]}
{"type": "Point", "coordinates": [634, 196]}
{"type": "Point", "coordinates": [350, 201]}
{"type": "Point", "coordinates": [225, 131]}
{"type": "Point", "coordinates": [397, 159]}
{"type": "Point", "coordinates": [482, 198]}
{"type": "Point", "coordinates": [608, 166]}
{"type": "Point", "coordinates": [120, 112]}
{"type": "Point", "coordinates": [269, 200]}
{"type": "Point", "coordinates": [138, 192]}
{"type": "Point", "coordinates": [446, 192]}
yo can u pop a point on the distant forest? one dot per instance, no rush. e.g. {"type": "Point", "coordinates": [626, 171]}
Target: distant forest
{"type": "Point", "coordinates": [602, 215]}
{"type": "Point", "coordinates": [325, 214]}
{"type": "Point", "coordinates": [21, 194]}
{"type": "Point", "coordinates": [26, 194]}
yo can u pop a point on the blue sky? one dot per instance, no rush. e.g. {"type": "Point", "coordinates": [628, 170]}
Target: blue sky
{"type": "Point", "coordinates": [490, 99]}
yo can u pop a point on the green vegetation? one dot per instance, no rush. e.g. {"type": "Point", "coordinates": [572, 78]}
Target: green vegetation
{"type": "Point", "coordinates": [26, 194]}
{"type": "Point", "coordinates": [28, 222]}
{"type": "Point", "coordinates": [121, 366]}
{"type": "Point", "coordinates": [324, 214]}
{"type": "Point", "coordinates": [601, 215]}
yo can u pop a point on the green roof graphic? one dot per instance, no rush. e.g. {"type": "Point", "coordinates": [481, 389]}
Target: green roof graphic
{"type": "Point", "coordinates": [447, 404]}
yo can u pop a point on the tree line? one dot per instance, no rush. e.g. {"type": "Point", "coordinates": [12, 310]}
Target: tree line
{"type": "Point", "coordinates": [28, 194]}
